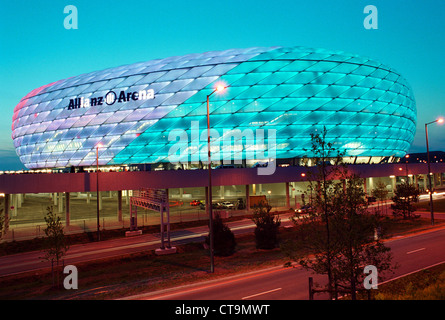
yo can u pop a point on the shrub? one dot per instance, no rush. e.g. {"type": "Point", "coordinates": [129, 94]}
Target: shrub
{"type": "Point", "coordinates": [266, 231]}
{"type": "Point", "coordinates": [224, 242]}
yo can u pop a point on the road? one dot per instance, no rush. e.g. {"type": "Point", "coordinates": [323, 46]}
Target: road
{"type": "Point", "coordinates": [412, 253]}
{"type": "Point", "coordinates": [31, 261]}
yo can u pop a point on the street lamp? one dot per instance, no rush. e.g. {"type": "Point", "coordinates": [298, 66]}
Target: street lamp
{"type": "Point", "coordinates": [97, 189]}
{"type": "Point", "coordinates": [406, 167]}
{"type": "Point", "coordinates": [219, 88]}
{"type": "Point", "coordinates": [439, 120]}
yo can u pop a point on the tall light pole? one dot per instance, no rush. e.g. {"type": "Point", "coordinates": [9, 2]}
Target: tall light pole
{"type": "Point", "coordinates": [218, 88]}
{"type": "Point", "coordinates": [97, 189]}
{"type": "Point", "coordinates": [440, 120]}
{"type": "Point", "coordinates": [406, 168]}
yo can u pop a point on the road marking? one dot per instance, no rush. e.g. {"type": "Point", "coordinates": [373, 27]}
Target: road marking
{"type": "Point", "coordinates": [417, 250]}
{"type": "Point", "coordinates": [261, 293]}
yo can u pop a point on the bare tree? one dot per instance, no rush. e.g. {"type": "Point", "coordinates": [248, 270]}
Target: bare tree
{"type": "Point", "coordinates": [55, 245]}
{"type": "Point", "coordinates": [336, 237]}
{"type": "Point", "coordinates": [380, 192]}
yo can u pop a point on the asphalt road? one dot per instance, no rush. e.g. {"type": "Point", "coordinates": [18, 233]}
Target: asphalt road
{"type": "Point", "coordinates": [31, 261]}
{"type": "Point", "coordinates": [412, 253]}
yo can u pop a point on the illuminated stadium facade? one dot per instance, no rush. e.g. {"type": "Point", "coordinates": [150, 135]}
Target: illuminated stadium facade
{"type": "Point", "coordinates": [367, 108]}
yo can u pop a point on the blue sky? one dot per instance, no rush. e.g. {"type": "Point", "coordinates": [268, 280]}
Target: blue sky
{"type": "Point", "coordinates": [36, 49]}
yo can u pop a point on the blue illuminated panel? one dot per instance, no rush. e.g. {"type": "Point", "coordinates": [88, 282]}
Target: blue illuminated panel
{"type": "Point", "coordinates": [368, 108]}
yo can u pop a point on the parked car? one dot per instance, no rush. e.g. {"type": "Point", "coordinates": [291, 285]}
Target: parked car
{"type": "Point", "coordinates": [217, 205]}
{"type": "Point", "coordinates": [195, 203]}
{"type": "Point", "coordinates": [260, 164]}
{"type": "Point", "coordinates": [227, 205]}
{"type": "Point", "coordinates": [225, 166]}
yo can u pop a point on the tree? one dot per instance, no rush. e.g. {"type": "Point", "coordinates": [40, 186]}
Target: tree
{"type": "Point", "coordinates": [404, 196]}
{"type": "Point", "coordinates": [55, 245]}
{"type": "Point", "coordinates": [353, 231]}
{"type": "Point", "coordinates": [267, 225]}
{"type": "Point", "coordinates": [223, 238]}
{"type": "Point", "coordinates": [380, 191]}
{"type": "Point", "coordinates": [336, 236]}
{"type": "Point", "coordinates": [322, 190]}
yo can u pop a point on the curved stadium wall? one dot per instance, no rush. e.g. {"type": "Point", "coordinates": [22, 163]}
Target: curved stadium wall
{"type": "Point", "coordinates": [367, 108]}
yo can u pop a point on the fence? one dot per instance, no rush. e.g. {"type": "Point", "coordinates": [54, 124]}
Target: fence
{"type": "Point", "coordinates": [22, 231]}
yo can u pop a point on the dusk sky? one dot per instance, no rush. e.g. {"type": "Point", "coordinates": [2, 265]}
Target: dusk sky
{"type": "Point", "coordinates": [36, 49]}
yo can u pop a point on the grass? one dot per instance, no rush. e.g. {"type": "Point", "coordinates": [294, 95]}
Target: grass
{"type": "Point", "coordinates": [438, 204]}
{"type": "Point", "coordinates": [142, 272]}
{"type": "Point", "coordinates": [428, 284]}
{"type": "Point", "coordinates": [146, 272]}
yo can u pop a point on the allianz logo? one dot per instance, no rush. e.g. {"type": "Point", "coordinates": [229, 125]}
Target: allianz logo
{"type": "Point", "coordinates": [110, 98]}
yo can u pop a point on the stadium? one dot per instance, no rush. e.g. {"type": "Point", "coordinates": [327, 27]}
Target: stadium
{"type": "Point", "coordinates": [367, 108]}
{"type": "Point", "coordinates": [100, 137]}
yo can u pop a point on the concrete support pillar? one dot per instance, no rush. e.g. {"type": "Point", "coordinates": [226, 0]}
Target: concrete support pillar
{"type": "Point", "coordinates": [371, 185]}
{"type": "Point", "coordinates": [207, 198]}
{"type": "Point", "coordinates": [55, 198]}
{"type": "Point", "coordinates": [100, 199]}
{"type": "Point", "coordinates": [19, 200]}
{"type": "Point", "coordinates": [127, 197]}
{"type": "Point", "coordinates": [254, 189]}
{"type": "Point", "coordinates": [60, 203]}
{"type": "Point", "coordinates": [393, 183]}
{"type": "Point", "coordinates": [67, 209]}
{"type": "Point", "coordinates": [6, 211]}
{"type": "Point", "coordinates": [221, 192]}
{"type": "Point", "coordinates": [88, 197]}
{"type": "Point", "coordinates": [119, 205]}
{"type": "Point", "coordinates": [14, 205]}
{"type": "Point", "coordinates": [287, 195]}
{"type": "Point", "coordinates": [247, 197]}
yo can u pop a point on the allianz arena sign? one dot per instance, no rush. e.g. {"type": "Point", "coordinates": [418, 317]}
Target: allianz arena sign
{"type": "Point", "coordinates": [110, 98]}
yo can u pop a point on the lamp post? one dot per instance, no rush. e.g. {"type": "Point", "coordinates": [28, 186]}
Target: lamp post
{"type": "Point", "coordinates": [440, 120]}
{"type": "Point", "coordinates": [406, 167]}
{"type": "Point", "coordinates": [97, 190]}
{"type": "Point", "coordinates": [218, 88]}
